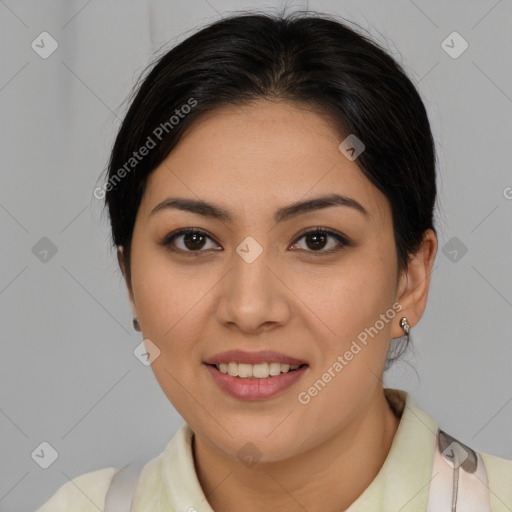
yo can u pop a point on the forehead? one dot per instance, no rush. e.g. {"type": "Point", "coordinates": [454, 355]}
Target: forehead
{"type": "Point", "coordinates": [268, 152]}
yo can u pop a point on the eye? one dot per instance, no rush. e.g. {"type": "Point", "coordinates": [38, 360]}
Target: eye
{"type": "Point", "coordinates": [192, 241]}
{"type": "Point", "coordinates": [317, 240]}
{"type": "Point", "coordinates": [188, 240]}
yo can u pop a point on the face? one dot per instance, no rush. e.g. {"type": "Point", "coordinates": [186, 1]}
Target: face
{"type": "Point", "coordinates": [307, 284]}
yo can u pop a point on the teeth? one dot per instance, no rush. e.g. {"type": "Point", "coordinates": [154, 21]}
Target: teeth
{"type": "Point", "coordinates": [255, 371]}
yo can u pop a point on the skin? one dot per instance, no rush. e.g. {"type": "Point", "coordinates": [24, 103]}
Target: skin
{"type": "Point", "coordinates": [293, 299]}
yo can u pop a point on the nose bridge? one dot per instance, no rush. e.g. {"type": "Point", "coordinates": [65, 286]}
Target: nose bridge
{"type": "Point", "coordinates": [251, 274]}
{"type": "Point", "coordinates": [251, 281]}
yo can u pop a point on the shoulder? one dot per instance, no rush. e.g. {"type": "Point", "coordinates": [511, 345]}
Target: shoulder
{"type": "Point", "coordinates": [83, 493]}
{"type": "Point", "coordinates": [499, 474]}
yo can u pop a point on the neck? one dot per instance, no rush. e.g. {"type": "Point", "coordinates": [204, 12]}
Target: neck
{"type": "Point", "coordinates": [328, 478]}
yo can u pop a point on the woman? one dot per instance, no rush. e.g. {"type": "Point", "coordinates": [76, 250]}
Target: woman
{"type": "Point", "coordinates": [271, 194]}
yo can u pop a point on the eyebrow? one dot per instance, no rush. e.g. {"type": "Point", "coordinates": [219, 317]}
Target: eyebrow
{"type": "Point", "coordinates": [205, 209]}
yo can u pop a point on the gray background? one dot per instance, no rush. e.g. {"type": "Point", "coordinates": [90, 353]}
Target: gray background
{"type": "Point", "coordinates": [68, 373]}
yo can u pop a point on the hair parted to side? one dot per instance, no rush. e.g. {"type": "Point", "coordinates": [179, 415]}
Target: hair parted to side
{"type": "Point", "coordinates": [314, 60]}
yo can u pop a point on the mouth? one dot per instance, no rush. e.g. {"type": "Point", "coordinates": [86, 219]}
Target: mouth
{"type": "Point", "coordinates": [255, 382]}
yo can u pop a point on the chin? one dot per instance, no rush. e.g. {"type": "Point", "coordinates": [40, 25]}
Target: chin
{"type": "Point", "coordinates": [257, 445]}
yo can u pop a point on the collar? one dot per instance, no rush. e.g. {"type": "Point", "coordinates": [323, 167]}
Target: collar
{"type": "Point", "coordinates": [409, 462]}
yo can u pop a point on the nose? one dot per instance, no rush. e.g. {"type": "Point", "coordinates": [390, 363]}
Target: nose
{"type": "Point", "coordinates": [253, 298]}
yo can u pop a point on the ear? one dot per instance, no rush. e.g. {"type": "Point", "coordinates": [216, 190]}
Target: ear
{"type": "Point", "coordinates": [414, 283]}
{"type": "Point", "coordinates": [120, 260]}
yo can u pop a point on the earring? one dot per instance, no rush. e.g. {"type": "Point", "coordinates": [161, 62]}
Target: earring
{"type": "Point", "coordinates": [404, 324]}
{"type": "Point", "coordinates": [136, 325]}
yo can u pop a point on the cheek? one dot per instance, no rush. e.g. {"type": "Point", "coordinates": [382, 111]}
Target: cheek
{"type": "Point", "coordinates": [350, 303]}
{"type": "Point", "coordinates": [352, 358]}
{"type": "Point", "coordinates": [172, 312]}
{"type": "Point", "coordinates": [166, 293]}
{"type": "Point", "coordinates": [172, 305]}
{"type": "Point", "coordinates": [358, 291]}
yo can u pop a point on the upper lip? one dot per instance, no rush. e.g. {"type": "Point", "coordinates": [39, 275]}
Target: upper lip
{"type": "Point", "coordinates": [263, 356]}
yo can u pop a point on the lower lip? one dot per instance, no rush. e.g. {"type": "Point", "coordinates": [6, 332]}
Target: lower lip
{"type": "Point", "coordinates": [255, 389]}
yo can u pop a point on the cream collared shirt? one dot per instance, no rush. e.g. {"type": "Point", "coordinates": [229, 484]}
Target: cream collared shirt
{"type": "Point", "coordinates": [168, 483]}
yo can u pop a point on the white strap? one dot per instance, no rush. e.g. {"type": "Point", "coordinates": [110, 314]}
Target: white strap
{"type": "Point", "coordinates": [459, 479]}
{"type": "Point", "coordinates": [122, 488]}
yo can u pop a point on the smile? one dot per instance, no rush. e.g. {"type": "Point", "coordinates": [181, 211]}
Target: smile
{"type": "Point", "coordinates": [250, 386]}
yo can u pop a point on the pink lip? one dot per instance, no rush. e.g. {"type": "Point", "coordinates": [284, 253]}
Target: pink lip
{"type": "Point", "coordinates": [263, 356]}
{"type": "Point", "coordinates": [253, 388]}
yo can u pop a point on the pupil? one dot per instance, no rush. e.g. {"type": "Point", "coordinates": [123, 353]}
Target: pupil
{"type": "Point", "coordinates": [318, 239]}
{"type": "Point", "coordinates": [195, 244]}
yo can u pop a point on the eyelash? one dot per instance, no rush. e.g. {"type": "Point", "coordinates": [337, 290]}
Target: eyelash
{"type": "Point", "coordinates": [342, 241]}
